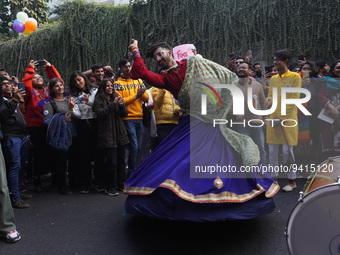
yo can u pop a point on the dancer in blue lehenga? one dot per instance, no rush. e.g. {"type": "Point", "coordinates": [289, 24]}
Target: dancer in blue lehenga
{"type": "Point", "coordinates": [165, 185]}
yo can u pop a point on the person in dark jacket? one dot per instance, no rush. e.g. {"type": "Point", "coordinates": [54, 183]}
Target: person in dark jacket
{"type": "Point", "coordinates": [112, 136]}
{"type": "Point", "coordinates": [7, 219]}
{"type": "Point", "coordinates": [15, 143]}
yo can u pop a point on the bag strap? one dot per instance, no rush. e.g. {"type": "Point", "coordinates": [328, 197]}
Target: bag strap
{"type": "Point", "coordinates": [54, 105]}
{"type": "Point", "coordinates": [48, 127]}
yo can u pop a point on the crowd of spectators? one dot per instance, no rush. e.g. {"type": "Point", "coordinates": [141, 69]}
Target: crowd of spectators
{"type": "Point", "coordinates": [87, 132]}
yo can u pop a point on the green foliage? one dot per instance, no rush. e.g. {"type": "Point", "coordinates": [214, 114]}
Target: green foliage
{"type": "Point", "coordinates": [37, 9]}
{"type": "Point", "coordinates": [4, 16]}
{"type": "Point", "coordinates": [89, 33]}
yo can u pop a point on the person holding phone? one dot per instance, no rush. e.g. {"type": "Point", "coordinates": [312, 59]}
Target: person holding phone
{"type": "Point", "coordinates": [15, 143]}
{"type": "Point", "coordinates": [301, 60]}
{"type": "Point", "coordinates": [36, 98]}
{"type": "Point", "coordinates": [270, 71]}
{"type": "Point", "coordinates": [19, 86]}
{"type": "Point", "coordinates": [85, 146]}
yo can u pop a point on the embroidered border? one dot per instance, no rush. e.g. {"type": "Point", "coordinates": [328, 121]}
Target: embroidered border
{"type": "Point", "coordinates": [223, 197]}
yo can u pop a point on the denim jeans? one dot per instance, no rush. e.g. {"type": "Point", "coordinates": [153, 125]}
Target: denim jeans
{"type": "Point", "coordinates": [256, 133]}
{"type": "Point", "coordinates": [16, 151]}
{"type": "Point", "coordinates": [134, 129]}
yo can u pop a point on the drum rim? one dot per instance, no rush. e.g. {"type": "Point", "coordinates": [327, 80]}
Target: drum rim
{"type": "Point", "coordinates": [298, 203]}
{"type": "Point", "coordinates": [322, 163]}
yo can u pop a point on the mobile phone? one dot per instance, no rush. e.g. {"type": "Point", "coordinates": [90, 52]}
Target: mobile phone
{"type": "Point", "coordinates": [40, 62]}
{"type": "Point", "coordinates": [305, 74]}
{"type": "Point", "coordinates": [109, 73]}
{"type": "Point", "coordinates": [21, 85]}
{"type": "Point", "coordinates": [79, 100]}
{"type": "Point", "coordinates": [268, 69]}
{"type": "Point", "coordinates": [301, 57]}
{"type": "Point", "coordinates": [249, 53]}
{"type": "Point", "coordinates": [231, 55]}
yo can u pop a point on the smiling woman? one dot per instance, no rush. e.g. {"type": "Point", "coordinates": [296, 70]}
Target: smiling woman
{"type": "Point", "coordinates": [112, 136]}
{"type": "Point", "coordinates": [85, 146]}
{"type": "Point", "coordinates": [57, 111]}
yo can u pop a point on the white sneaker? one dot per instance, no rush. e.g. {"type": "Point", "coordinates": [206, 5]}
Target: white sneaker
{"type": "Point", "coordinates": [289, 188]}
{"type": "Point", "coordinates": [13, 236]}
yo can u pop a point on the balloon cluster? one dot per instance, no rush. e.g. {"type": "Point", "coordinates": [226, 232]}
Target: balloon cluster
{"type": "Point", "coordinates": [24, 24]}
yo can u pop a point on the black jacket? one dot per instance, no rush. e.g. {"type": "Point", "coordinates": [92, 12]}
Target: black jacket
{"type": "Point", "coordinates": [111, 129]}
{"type": "Point", "coordinates": [12, 121]}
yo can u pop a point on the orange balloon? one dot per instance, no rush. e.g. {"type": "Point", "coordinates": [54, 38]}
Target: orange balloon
{"type": "Point", "coordinates": [26, 32]}
{"type": "Point", "coordinates": [30, 25]}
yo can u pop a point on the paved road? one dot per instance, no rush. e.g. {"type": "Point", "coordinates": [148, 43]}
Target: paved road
{"type": "Point", "coordinates": [94, 224]}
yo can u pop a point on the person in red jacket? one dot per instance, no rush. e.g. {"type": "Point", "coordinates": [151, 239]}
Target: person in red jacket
{"type": "Point", "coordinates": [37, 97]}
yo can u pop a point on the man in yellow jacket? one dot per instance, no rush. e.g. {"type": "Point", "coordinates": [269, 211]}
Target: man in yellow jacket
{"type": "Point", "coordinates": [133, 93]}
{"type": "Point", "coordinates": [283, 129]}
{"type": "Point", "coordinates": [166, 112]}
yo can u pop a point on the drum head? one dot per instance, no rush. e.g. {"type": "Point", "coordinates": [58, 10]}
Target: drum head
{"type": "Point", "coordinates": [314, 225]}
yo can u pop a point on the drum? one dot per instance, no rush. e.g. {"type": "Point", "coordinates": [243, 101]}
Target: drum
{"type": "Point", "coordinates": [314, 224]}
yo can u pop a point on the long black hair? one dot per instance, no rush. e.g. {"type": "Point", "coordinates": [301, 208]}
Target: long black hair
{"type": "Point", "coordinates": [73, 88]}
{"type": "Point", "coordinates": [101, 90]}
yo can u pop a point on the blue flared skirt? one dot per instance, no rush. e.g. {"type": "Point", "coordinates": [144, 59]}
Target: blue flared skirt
{"type": "Point", "coordinates": [166, 185]}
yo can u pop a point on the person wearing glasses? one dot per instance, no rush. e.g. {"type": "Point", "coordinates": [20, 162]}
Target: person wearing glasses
{"type": "Point", "coordinates": [175, 182]}
{"type": "Point", "coordinates": [258, 101]}
{"type": "Point", "coordinates": [36, 98]}
{"type": "Point", "coordinates": [133, 93]}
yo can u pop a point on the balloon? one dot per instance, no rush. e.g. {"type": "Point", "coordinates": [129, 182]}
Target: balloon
{"type": "Point", "coordinates": [30, 25]}
{"type": "Point", "coordinates": [34, 20]}
{"type": "Point", "coordinates": [22, 17]}
{"type": "Point", "coordinates": [15, 21]}
{"type": "Point", "coordinates": [26, 32]}
{"type": "Point", "coordinates": [19, 27]}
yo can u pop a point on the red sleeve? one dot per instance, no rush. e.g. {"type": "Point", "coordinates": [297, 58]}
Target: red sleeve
{"type": "Point", "coordinates": [139, 71]}
{"type": "Point", "coordinates": [52, 72]}
{"type": "Point", "coordinates": [171, 81]}
{"type": "Point", "coordinates": [29, 75]}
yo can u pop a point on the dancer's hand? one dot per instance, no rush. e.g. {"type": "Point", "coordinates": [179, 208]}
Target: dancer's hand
{"type": "Point", "coordinates": [133, 46]}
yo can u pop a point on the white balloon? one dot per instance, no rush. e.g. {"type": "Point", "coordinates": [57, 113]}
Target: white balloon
{"type": "Point", "coordinates": [34, 20]}
{"type": "Point", "coordinates": [22, 17]}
